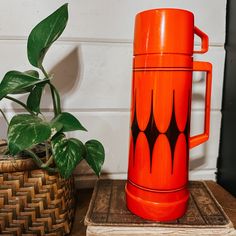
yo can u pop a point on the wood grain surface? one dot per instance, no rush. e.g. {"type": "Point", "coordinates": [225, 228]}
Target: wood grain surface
{"type": "Point", "coordinates": [225, 199]}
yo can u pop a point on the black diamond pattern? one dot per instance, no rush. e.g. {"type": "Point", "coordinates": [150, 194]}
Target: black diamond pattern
{"type": "Point", "coordinates": [134, 128]}
{"type": "Point", "coordinates": [151, 132]}
{"type": "Point", "coordinates": [173, 131]}
{"type": "Point", "coordinates": [187, 126]}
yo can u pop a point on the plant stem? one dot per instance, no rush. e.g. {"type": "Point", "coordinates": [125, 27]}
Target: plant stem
{"type": "Point", "coordinates": [20, 103]}
{"type": "Point", "coordinates": [44, 72]}
{"type": "Point", "coordinates": [54, 94]}
{"type": "Point", "coordinates": [47, 151]}
{"type": "Point", "coordinates": [6, 152]}
{"type": "Point", "coordinates": [4, 116]}
{"type": "Point", "coordinates": [39, 162]}
{"type": "Point", "coordinates": [49, 161]}
{"type": "Point", "coordinates": [56, 98]}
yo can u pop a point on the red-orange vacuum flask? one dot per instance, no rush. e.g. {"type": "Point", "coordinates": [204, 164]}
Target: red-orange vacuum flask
{"type": "Point", "coordinates": [160, 112]}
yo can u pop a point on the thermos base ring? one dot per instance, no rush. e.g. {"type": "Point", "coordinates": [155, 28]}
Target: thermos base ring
{"type": "Point", "coordinates": [163, 206]}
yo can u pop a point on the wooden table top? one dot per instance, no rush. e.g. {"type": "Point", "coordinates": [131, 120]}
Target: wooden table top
{"type": "Point", "coordinates": [226, 200]}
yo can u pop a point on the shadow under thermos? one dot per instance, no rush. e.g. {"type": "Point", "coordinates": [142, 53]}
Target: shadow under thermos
{"type": "Point", "coordinates": [160, 139]}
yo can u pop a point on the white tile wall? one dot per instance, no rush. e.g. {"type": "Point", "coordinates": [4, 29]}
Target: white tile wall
{"type": "Point", "coordinates": [106, 19]}
{"type": "Point", "coordinates": [92, 67]}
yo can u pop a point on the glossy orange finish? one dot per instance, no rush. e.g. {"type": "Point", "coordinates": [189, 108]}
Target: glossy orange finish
{"type": "Point", "coordinates": [160, 113]}
{"type": "Point", "coordinates": [201, 138]}
{"type": "Point", "coordinates": [166, 31]}
{"type": "Point", "coordinates": [163, 61]}
{"type": "Point", "coordinates": [156, 205]}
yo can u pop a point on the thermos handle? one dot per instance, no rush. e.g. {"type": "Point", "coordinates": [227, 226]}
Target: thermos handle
{"type": "Point", "coordinates": [200, 138]}
{"type": "Point", "coordinates": [204, 39]}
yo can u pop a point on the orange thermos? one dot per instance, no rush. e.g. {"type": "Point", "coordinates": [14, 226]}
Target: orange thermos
{"type": "Point", "coordinates": [160, 112]}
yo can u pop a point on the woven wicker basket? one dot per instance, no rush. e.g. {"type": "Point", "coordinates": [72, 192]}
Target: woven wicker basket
{"type": "Point", "coordinates": [33, 201]}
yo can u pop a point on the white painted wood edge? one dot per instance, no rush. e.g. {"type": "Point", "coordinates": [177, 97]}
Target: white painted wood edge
{"type": "Point", "coordinates": [131, 231]}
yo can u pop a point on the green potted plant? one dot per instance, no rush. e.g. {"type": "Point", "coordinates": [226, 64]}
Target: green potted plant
{"type": "Point", "coordinates": [36, 187]}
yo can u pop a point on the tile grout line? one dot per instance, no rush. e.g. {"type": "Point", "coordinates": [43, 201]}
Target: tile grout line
{"type": "Point", "coordinates": [104, 110]}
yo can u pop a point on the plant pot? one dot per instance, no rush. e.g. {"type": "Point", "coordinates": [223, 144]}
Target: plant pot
{"type": "Point", "coordinates": [33, 201]}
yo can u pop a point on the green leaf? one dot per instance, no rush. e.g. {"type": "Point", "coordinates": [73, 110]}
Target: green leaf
{"type": "Point", "coordinates": [55, 129]}
{"type": "Point", "coordinates": [16, 82]}
{"type": "Point", "coordinates": [33, 73]}
{"type": "Point", "coordinates": [44, 34]}
{"type": "Point", "coordinates": [67, 153]}
{"type": "Point", "coordinates": [25, 131]}
{"type": "Point", "coordinates": [69, 122]}
{"type": "Point", "coordinates": [95, 155]}
{"type": "Point", "coordinates": [34, 98]}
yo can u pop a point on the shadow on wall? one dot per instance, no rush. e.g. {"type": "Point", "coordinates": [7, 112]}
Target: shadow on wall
{"type": "Point", "coordinates": [67, 75]}
{"type": "Point", "coordinates": [196, 161]}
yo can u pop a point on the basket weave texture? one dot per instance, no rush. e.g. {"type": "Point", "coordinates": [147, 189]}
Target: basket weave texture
{"type": "Point", "coordinates": [33, 201]}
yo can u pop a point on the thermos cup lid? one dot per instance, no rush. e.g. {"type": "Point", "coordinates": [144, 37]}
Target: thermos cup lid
{"type": "Point", "coordinates": [164, 31]}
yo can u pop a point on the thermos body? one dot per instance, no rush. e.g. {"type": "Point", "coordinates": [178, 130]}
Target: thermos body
{"type": "Point", "coordinates": [161, 111]}
{"type": "Point", "coordinates": [160, 129]}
